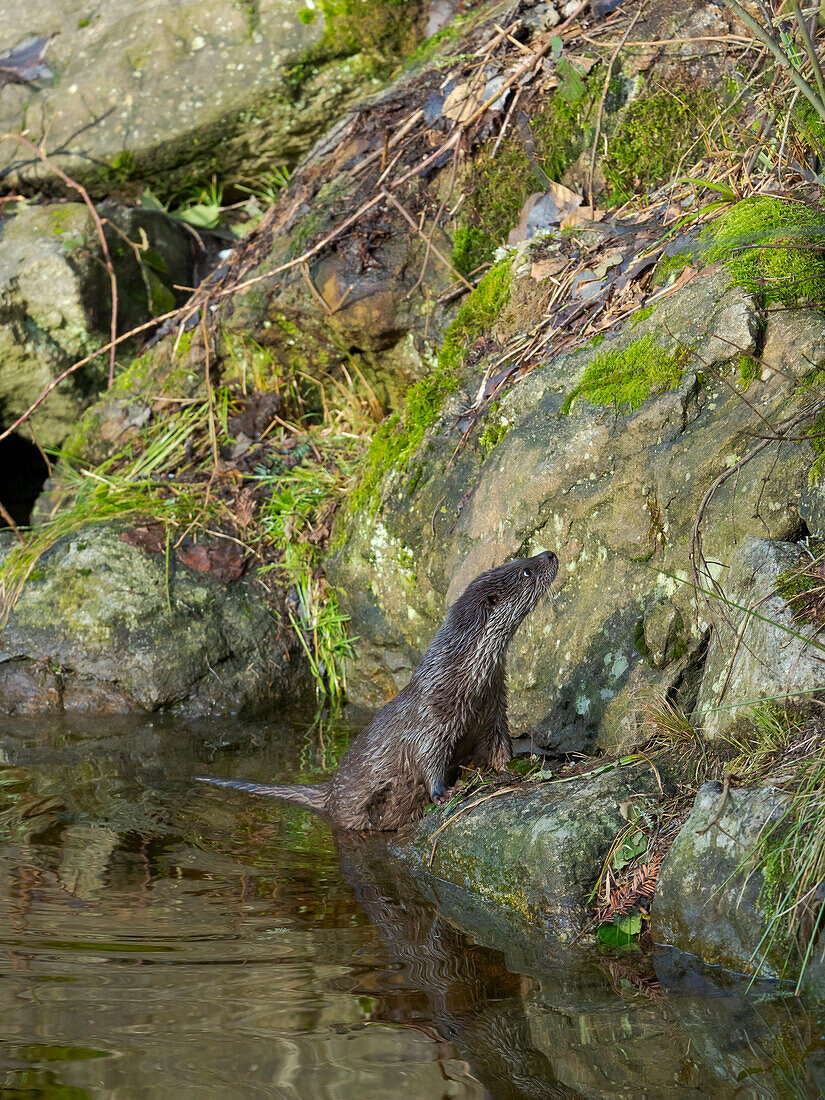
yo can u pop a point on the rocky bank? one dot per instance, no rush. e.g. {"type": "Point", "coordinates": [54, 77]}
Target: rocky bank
{"type": "Point", "coordinates": [472, 323]}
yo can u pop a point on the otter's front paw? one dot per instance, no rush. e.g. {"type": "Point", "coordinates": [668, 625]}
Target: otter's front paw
{"type": "Point", "coordinates": [500, 757]}
{"type": "Point", "coordinates": [443, 795]}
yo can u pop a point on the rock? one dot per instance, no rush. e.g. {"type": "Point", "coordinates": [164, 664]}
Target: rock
{"type": "Point", "coordinates": [711, 899]}
{"type": "Point", "coordinates": [760, 655]}
{"type": "Point", "coordinates": [614, 493]}
{"type": "Point", "coordinates": [536, 850]}
{"type": "Point", "coordinates": [357, 312]}
{"type": "Point", "coordinates": [739, 1031]}
{"type": "Point", "coordinates": [570, 1034]}
{"type": "Point", "coordinates": [100, 626]}
{"type": "Point", "coordinates": [175, 94]}
{"type": "Point", "coordinates": [55, 301]}
{"type": "Point", "coordinates": [370, 309]}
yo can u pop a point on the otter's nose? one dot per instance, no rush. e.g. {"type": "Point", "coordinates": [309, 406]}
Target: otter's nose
{"type": "Point", "coordinates": [550, 557]}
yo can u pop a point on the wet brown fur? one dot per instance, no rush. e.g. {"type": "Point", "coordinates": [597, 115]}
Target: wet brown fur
{"type": "Point", "coordinates": [452, 712]}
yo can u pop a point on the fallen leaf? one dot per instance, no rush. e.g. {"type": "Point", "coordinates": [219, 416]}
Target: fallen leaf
{"type": "Point", "coordinates": [150, 537]}
{"type": "Point", "coordinates": [581, 214]}
{"type": "Point", "coordinates": [195, 555]}
{"type": "Point", "coordinates": [226, 561]}
{"type": "Point", "coordinates": [461, 103]}
{"type": "Point", "coordinates": [25, 62]}
{"type": "Point", "coordinates": [607, 262]}
{"type": "Point", "coordinates": [245, 508]}
{"type": "Point", "coordinates": [547, 266]}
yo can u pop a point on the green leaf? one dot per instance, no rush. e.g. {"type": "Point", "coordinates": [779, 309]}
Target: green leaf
{"type": "Point", "coordinates": [622, 931]}
{"type": "Point", "coordinates": [572, 87]}
{"type": "Point", "coordinates": [629, 850]}
{"type": "Point", "coordinates": [201, 216]}
{"type": "Point", "coordinates": [150, 201]}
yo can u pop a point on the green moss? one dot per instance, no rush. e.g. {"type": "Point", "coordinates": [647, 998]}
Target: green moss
{"type": "Point", "coordinates": [121, 168]}
{"type": "Point", "coordinates": [670, 266]}
{"type": "Point", "coordinates": [472, 247]}
{"type": "Point", "coordinates": [748, 368]}
{"type": "Point", "coordinates": [379, 31]}
{"type": "Point", "coordinates": [808, 126]}
{"type": "Point", "coordinates": [492, 435]}
{"type": "Point", "coordinates": [426, 49]}
{"type": "Point", "coordinates": [652, 137]}
{"type": "Point", "coordinates": [627, 378]}
{"type": "Point", "coordinates": [642, 315]}
{"type": "Point", "coordinates": [501, 184]}
{"type": "Point", "coordinates": [61, 220]}
{"type": "Point", "coordinates": [817, 437]}
{"type": "Point", "coordinates": [401, 434]}
{"type": "Point", "coordinates": [640, 644]}
{"type": "Point", "coordinates": [746, 240]}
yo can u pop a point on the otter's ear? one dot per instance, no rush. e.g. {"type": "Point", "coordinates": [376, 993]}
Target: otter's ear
{"type": "Point", "coordinates": [493, 599]}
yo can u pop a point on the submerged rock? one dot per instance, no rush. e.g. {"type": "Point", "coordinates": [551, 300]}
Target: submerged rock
{"type": "Point", "coordinates": [105, 626]}
{"type": "Point", "coordinates": [713, 898]}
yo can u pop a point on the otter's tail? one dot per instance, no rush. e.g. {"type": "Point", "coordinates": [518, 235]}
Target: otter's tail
{"type": "Point", "coordinates": [311, 796]}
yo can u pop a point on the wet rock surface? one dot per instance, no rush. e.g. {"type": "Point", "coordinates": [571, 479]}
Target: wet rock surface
{"type": "Point", "coordinates": [712, 900]}
{"type": "Point", "coordinates": [105, 626]}
{"type": "Point", "coordinates": [532, 850]}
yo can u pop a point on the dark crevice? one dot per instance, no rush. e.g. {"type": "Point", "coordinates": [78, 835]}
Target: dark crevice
{"type": "Point", "coordinates": [23, 470]}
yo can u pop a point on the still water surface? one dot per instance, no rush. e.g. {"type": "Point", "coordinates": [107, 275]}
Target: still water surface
{"type": "Point", "coordinates": [159, 938]}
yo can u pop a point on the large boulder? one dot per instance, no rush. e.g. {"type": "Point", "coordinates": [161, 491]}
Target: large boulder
{"type": "Point", "coordinates": [103, 625]}
{"type": "Point", "coordinates": [534, 850]}
{"type": "Point", "coordinates": [613, 489]}
{"type": "Point", "coordinates": [174, 93]}
{"type": "Point", "coordinates": [55, 300]}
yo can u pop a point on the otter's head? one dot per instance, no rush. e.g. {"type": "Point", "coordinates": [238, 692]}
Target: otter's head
{"type": "Point", "coordinates": [512, 590]}
{"type": "Point", "coordinates": [486, 614]}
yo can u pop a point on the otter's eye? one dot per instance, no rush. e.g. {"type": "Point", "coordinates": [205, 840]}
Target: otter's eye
{"type": "Point", "coordinates": [527, 573]}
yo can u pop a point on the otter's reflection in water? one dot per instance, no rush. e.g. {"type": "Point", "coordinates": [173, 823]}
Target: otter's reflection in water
{"type": "Point", "coordinates": [535, 1019]}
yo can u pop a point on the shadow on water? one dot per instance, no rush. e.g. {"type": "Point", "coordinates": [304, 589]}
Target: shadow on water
{"type": "Point", "coordinates": [162, 938]}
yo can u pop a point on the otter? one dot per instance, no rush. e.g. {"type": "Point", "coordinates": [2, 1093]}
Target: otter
{"type": "Point", "coordinates": [452, 712]}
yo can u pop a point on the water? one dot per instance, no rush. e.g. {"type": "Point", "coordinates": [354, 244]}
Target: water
{"type": "Point", "coordinates": [164, 939]}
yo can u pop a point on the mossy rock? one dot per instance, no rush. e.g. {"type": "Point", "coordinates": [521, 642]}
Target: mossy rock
{"type": "Point", "coordinates": [611, 479]}
{"type": "Point", "coordinates": [715, 895]}
{"type": "Point", "coordinates": [106, 626]}
{"type": "Point", "coordinates": [55, 301]}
